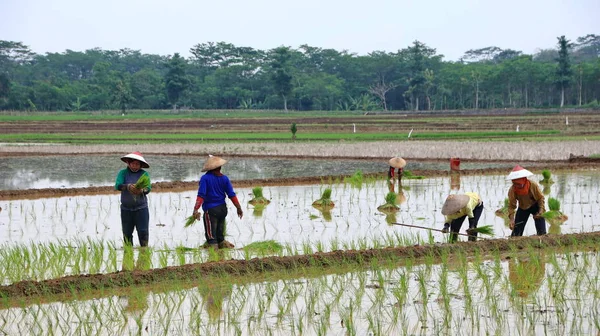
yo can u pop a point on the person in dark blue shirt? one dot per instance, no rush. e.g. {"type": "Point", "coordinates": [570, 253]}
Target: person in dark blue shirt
{"type": "Point", "coordinates": [213, 188]}
{"type": "Point", "coordinates": [134, 201]}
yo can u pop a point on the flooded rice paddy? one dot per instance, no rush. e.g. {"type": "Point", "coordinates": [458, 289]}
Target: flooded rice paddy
{"type": "Point", "coordinates": [290, 219]}
{"type": "Point", "coordinates": [76, 171]}
{"type": "Point", "coordinates": [532, 294]}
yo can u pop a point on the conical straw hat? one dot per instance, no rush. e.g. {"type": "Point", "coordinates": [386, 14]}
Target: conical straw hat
{"type": "Point", "coordinates": [213, 162]}
{"type": "Point", "coordinates": [518, 172]}
{"type": "Point", "coordinates": [454, 203]}
{"type": "Point", "coordinates": [135, 156]}
{"type": "Point", "coordinates": [397, 162]}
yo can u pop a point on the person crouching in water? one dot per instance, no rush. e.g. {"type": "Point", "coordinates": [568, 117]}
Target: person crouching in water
{"type": "Point", "coordinates": [399, 164]}
{"type": "Point", "coordinates": [213, 187]}
{"type": "Point", "coordinates": [134, 201]}
{"type": "Point", "coordinates": [530, 200]}
{"type": "Point", "coordinates": [458, 207]}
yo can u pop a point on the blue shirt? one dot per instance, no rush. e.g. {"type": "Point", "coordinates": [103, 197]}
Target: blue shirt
{"type": "Point", "coordinates": [213, 189]}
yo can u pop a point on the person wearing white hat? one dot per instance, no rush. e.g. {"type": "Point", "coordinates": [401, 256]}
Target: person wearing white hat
{"type": "Point", "coordinates": [456, 208]}
{"type": "Point", "coordinates": [213, 187]}
{"type": "Point", "coordinates": [530, 199]}
{"type": "Point", "coordinates": [134, 201]}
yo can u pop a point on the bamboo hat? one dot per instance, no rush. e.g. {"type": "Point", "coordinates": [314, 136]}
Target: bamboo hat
{"type": "Point", "coordinates": [397, 162]}
{"type": "Point", "coordinates": [135, 156]}
{"type": "Point", "coordinates": [213, 162]}
{"type": "Point", "coordinates": [518, 172]}
{"type": "Point", "coordinates": [454, 203]}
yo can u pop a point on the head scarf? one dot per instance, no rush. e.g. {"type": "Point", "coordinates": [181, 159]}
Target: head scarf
{"type": "Point", "coordinates": [522, 186]}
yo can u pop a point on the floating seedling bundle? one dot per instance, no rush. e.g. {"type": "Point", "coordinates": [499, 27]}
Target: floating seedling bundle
{"type": "Point", "coordinates": [325, 201]}
{"type": "Point", "coordinates": [390, 203]}
{"type": "Point", "coordinates": [258, 199]}
{"type": "Point", "coordinates": [554, 215]}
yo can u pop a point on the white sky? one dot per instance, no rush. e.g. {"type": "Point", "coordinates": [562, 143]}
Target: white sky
{"type": "Point", "coordinates": [169, 26]}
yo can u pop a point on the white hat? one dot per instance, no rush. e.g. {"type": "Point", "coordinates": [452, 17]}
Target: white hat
{"type": "Point", "coordinates": [213, 162]}
{"type": "Point", "coordinates": [135, 156]}
{"type": "Point", "coordinates": [454, 203]}
{"type": "Point", "coordinates": [518, 172]}
{"type": "Point", "coordinates": [397, 162]}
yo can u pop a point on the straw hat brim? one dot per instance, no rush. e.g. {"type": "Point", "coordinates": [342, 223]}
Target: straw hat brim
{"type": "Point", "coordinates": [397, 162]}
{"type": "Point", "coordinates": [133, 156]}
{"type": "Point", "coordinates": [519, 174]}
{"type": "Point", "coordinates": [454, 203]}
{"type": "Point", "coordinates": [213, 162]}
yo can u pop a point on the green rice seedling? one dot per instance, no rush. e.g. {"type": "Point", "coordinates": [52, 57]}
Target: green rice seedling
{"type": "Point", "coordinates": [356, 179]}
{"type": "Point", "coordinates": [258, 199]}
{"type": "Point", "coordinates": [503, 212]}
{"type": "Point", "coordinates": [554, 215]}
{"type": "Point", "coordinates": [407, 174]}
{"type": "Point", "coordinates": [143, 182]}
{"type": "Point", "coordinates": [487, 230]}
{"type": "Point", "coordinates": [325, 201]}
{"type": "Point", "coordinates": [264, 247]}
{"type": "Point", "coordinates": [547, 177]}
{"type": "Point", "coordinates": [189, 221]}
{"type": "Point", "coordinates": [390, 203]}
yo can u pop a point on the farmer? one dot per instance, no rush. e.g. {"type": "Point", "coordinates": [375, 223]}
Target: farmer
{"type": "Point", "coordinates": [456, 208]}
{"type": "Point", "coordinates": [134, 201]}
{"type": "Point", "coordinates": [399, 164]}
{"type": "Point", "coordinates": [530, 200]}
{"type": "Point", "coordinates": [213, 187]}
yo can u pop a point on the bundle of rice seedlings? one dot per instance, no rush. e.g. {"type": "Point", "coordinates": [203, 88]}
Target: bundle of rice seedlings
{"type": "Point", "coordinates": [189, 221]}
{"type": "Point", "coordinates": [325, 200]}
{"type": "Point", "coordinates": [547, 177]}
{"type": "Point", "coordinates": [503, 212]}
{"type": "Point", "coordinates": [143, 182]}
{"type": "Point", "coordinates": [258, 197]}
{"type": "Point", "coordinates": [486, 230]}
{"type": "Point", "coordinates": [554, 215]}
{"type": "Point", "coordinates": [390, 203]}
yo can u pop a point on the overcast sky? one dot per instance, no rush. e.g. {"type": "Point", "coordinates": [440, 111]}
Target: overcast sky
{"type": "Point", "coordinates": [168, 26]}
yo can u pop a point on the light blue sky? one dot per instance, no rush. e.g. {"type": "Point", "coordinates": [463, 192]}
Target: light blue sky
{"type": "Point", "coordinates": [165, 27]}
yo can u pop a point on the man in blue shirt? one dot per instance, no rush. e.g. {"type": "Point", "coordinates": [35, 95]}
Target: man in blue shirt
{"type": "Point", "coordinates": [213, 188]}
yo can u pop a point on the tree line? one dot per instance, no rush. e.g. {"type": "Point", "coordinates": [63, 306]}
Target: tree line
{"type": "Point", "coordinates": [220, 75]}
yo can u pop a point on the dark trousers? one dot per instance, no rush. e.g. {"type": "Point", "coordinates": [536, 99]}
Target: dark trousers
{"type": "Point", "coordinates": [138, 220]}
{"type": "Point", "coordinates": [521, 218]}
{"type": "Point", "coordinates": [457, 223]}
{"type": "Point", "coordinates": [214, 224]}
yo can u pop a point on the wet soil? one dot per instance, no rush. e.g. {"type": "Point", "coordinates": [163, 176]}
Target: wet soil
{"type": "Point", "coordinates": [319, 261]}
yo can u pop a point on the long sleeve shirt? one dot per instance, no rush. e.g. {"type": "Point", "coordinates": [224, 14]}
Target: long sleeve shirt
{"type": "Point", "coordinates": [213, 189]}
{"type": "Point", "coordinates": [534, 196]}
{"type": "Point", "coordinates": [467, 210]}
{"type": "Point", "coordinates": [130, 201]}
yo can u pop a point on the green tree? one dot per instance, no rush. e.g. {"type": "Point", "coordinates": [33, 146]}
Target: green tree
{"type": "Point", "coordinates": [563, 71]}
{"type": "Point", "coordinates": [280, 76]}
{"type": "Point", "coordinates": [176, 80]}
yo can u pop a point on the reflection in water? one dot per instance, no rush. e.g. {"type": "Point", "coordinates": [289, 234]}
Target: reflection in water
{"type": "Point", "coordinates": [546, 188]}
{"type": "Point", "coordinates": [454, 180]}
{"type": "Point", "coordinates": [258, 210]}
{"type": "Point", "coordinates": [554, 229]}
{"type": "Point", "coordinates": [213, 295]}
{"type": "Point", "coordinates": [526, 274]}
{"type": "Point", "coordinates": [326, 213]}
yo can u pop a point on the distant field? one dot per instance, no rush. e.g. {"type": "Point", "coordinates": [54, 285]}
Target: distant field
{"type": "Point", "coordinates": [238, 125]}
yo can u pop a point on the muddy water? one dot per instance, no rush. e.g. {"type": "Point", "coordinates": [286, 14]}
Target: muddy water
{"type": "Point", "coordinates": [530, 294]}
{"type": "Point", "coordinates": [290, 218]}
{"type": "Point", "coordinates": [75, 171]}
